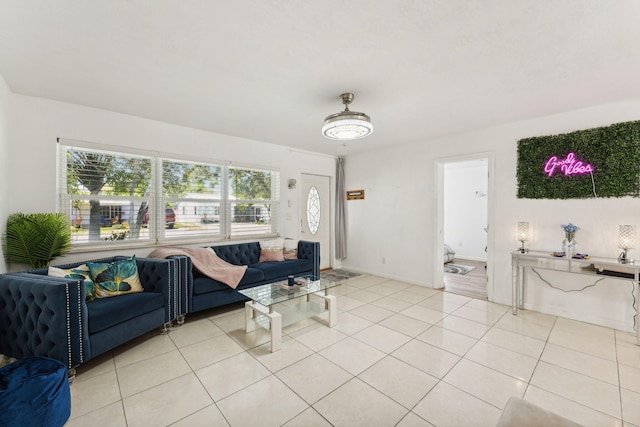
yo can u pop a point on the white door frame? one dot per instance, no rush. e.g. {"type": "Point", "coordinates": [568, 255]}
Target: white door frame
{"type": "Point", "coordinates": [438, 272]}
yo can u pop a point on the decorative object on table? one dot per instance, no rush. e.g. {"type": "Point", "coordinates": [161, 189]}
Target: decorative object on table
{"type": "Point", "coordinates": [291, 280]}
{"type": "Point", "coordinates": [37, 239]}
{"type": "Point", "coordinates": [559, 254]}
{"type": "Point", "coordinates": [569, 243]}
{"type": "Point", "coordinates": [297, 282]}
{"type": "Point", "coordinates": [580, 256]}
{"type": "Point", "coordinates": [523, 235]}
{"type": "Point", "coordinates": [626, 241]}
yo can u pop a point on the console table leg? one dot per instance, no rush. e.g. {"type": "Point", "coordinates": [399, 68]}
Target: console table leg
{"type": "Point", "coordinates": [636, 305]}
{"type": "Point", "coordinates": [515, 286]}
{"type": "Point", "coordinates": [521, 287]}
{"type": "Point", "coordinates": [514, 289]}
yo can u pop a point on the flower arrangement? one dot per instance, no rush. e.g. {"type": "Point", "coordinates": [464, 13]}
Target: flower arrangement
{"type": "Point", "coordinates": [570, 231]}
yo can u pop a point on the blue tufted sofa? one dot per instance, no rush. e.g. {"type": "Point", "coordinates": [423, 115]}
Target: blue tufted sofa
{"type": "Point", "coordinates": [202, 292]}
{"type": "Point", "coordinates": [47, 316]}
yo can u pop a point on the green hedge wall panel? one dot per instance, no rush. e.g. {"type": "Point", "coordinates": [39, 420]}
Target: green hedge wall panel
{"type": "Point", "coordinates": [614, 152]}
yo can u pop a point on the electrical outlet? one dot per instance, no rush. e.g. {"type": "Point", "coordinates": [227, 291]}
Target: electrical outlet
{"type": "Point", "coordinates": [384, 260]}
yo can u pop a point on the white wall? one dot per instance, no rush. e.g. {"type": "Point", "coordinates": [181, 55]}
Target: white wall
{"type": "Point", "coordinates": [465, 208]}
{"type": "Point", "coordinates": [5, 122]}
{"type": "Point", "coordinates": [397, 219]}
{"type": "Point", "coordinates": [38, 122]}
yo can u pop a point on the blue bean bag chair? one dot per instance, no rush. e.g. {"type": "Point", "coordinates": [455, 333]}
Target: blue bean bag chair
{"type": "Point", "coordinates": [34, 392]}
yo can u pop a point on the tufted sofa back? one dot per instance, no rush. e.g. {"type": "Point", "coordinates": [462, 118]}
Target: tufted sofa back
{"type": "Point", "coordinates": [239, 253]}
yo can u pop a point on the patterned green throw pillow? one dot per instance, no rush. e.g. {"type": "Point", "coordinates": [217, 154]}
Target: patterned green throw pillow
{"type": "Point", "coordinates": [80, 272]}
{"type": "Point", "coordinates": [116, 278]}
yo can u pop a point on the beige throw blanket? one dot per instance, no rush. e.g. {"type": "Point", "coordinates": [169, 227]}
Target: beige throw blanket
{"type": "Point", "coordinates": [206, 262]}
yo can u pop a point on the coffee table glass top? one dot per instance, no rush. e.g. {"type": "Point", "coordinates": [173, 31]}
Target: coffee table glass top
{"type": "Point", "coordinates": [274, 293]}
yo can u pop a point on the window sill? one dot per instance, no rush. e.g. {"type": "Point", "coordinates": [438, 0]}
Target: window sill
{"type": "Point", "coordinates": [115, 246]}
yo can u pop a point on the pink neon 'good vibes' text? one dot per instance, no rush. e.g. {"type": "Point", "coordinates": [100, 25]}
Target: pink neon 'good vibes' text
{"type": "Point", "coordinates": [569, 166]}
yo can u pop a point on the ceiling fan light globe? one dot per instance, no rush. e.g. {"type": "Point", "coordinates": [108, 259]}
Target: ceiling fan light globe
{"type": "Point", "coordinates": [347, 125]}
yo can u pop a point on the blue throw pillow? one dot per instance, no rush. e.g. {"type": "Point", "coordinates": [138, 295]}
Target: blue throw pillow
{"type": "Point", "coordinates": [116, 278]}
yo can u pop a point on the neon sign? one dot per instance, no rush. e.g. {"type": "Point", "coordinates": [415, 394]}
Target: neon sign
{"type": "Point", "coordinates": [570, 165]}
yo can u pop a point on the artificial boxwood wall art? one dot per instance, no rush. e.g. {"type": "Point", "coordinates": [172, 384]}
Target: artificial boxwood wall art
{"type": "Point", "coordinates": [599, 162]}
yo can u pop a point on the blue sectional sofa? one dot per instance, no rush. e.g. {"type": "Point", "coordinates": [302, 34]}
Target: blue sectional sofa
{"type": "Point", "coordinates": [202, 292]}
{"type": "Point", "coordinates": [41, 315]}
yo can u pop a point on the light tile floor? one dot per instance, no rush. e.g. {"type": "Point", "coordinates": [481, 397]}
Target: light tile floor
{"type": "Point", "coordinates": [401, 355]}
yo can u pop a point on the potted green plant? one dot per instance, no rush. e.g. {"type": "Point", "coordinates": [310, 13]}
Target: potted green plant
{"type": "Point", "coordinates": [36, 239]}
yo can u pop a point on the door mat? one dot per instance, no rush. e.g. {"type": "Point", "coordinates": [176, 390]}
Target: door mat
{"type": "Point", "coordinates": [338, 275]}
{"type": "Point", "coordinates": [458, 268]}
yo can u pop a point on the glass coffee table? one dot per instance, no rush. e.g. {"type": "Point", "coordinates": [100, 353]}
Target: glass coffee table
{"type": "Point", "coordinates": [314, 299]}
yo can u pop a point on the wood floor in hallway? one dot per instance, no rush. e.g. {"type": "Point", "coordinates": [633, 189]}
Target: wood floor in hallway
{"type": "Point", "coordinates": [473, 284]}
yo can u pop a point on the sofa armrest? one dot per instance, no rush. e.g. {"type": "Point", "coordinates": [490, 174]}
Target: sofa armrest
{"type": "Point", "coordinates": [161, 276]}
{"type": "Point", "coordinates": [310, 250]}
{"type": "Point", "coordinates": [184, 283]}
{"type": "Point", "coordinates": [43, 316]}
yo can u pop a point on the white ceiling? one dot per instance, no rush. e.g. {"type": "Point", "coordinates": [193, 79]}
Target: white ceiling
{"type": "Point", "coordinates": [271, 70]}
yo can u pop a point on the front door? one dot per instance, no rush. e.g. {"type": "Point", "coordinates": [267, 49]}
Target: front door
{"type": "Point", "coordinates": [315, 214]}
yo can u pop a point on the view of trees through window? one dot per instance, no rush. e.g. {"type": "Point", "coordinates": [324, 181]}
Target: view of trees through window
{"type": "Point", "coordinates": [252, 190]}
{"type": "Point", "coordinates": [113, 196]}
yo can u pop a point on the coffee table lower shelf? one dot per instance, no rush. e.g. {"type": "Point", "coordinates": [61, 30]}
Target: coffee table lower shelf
{"type": "Point", "coordinates": [268, 318]}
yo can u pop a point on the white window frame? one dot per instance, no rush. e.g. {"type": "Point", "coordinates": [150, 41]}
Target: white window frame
{"type": "Point", "coordinates": [164, 200]}
{"type": "Point", "coordinates": [158, 235]}
{"type": "Point", "coordinates": [274, 202]}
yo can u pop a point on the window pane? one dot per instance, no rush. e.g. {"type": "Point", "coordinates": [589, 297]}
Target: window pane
{"type": "Point", "coordinates": [181, 179]}
{"type": "Point", "coordinates": [192, 195]}
{"type": "Point", "coordinates": [192, 218]}
{"type": "Point", "coordinates": [113, 218]}
{"type": "Point", "coordinates": [247, 184]}
{"type": "Point", "coordinates": [100, 173]}
{"type": "Point", "coordinates": [250, 218]}
{"type": "Point", "coordinates": [113, 196]}
{"type": "Point", "coordinates": [92, 178]}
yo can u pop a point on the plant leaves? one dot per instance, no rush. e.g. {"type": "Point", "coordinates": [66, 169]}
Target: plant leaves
{"type": "Point", "coordinates": [36, 239]}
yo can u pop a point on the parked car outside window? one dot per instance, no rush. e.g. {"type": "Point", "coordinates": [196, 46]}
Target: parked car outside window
{"type": "Point", "coordinates": [169, 218]}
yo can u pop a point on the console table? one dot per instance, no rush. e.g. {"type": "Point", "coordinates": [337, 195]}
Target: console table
{"type": "Point", "coordinates": [589, 266]}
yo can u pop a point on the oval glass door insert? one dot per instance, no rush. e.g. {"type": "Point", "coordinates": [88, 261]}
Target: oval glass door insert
{"type": "Point", "coordinates": [313, 210]}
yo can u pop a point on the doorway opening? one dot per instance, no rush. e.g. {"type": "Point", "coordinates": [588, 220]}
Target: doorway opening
{"type": "Point", "coordinates": [464, 221]}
